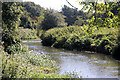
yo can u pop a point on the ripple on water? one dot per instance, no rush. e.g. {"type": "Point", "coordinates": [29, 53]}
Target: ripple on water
{"type": "Point", "coordinates": [66, 54]}
{"type": "Point", "coordinates": [86, 65]}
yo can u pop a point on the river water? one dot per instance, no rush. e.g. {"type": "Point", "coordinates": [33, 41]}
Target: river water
{"type": "Point", "coordinates": [85, 64]}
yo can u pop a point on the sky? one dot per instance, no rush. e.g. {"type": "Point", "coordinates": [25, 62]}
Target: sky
{"type": "Point", "coordinates": [55, 4]}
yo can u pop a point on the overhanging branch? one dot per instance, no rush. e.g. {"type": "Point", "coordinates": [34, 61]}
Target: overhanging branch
{"type": "Point", "coordinates": [71, 4]}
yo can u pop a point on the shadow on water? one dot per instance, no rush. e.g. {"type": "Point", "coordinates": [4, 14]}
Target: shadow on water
{"type": "Point", "coordinates": [84, 64]}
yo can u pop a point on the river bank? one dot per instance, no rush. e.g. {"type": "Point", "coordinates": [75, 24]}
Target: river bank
{"type": "Point", "coordinates": [104, 40]}
{"type": "Point", "coordinates": [26, 64]}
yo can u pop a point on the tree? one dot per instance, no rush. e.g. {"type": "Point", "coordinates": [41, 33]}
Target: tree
{"type": "Point", "coordinates": [32, 8]}
{"type": "Point", "coordinates": [101, 14]}
{"type": "Point", "coordinates": [53, 19]}
{"type": "Point", "coordinates": [32, 15]}
{"type": "Point", "coordinates": [79, 21]}
{"type": "Point", "coordinates": [70, 13]}
{"type": "Point", "coordinates": [73, 16]}
{"type": "Point", "coordinates": [26, 20]}
{"type": "Point", "coordinates": [10, 21]}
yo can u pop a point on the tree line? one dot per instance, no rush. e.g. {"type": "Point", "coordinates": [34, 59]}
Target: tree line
{"type": "Point", "coordinates": [32, 16]}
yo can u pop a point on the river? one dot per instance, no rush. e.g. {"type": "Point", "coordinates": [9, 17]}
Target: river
{"type": "Point", "coordinates": [85, 64]}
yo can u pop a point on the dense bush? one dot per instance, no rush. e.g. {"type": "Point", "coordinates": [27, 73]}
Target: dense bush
{"type": "Point", "coordinates": [67, 37]}
{"type": "Point", "coordinates": [77, 37]}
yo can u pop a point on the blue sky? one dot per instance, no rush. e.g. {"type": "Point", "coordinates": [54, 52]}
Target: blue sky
{"type": "Point", "coordinates": [55, 4]}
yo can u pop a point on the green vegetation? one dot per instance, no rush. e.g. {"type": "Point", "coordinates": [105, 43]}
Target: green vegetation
{"type": "Point", "coordinates": [10, 21]}
{"type": "Point", "coordinates": [73, 16]}
{"type": "Point", "coordinates": [22, 21]}
{"type": "Point", "coordinates": [53, 19]}
{"type": "Point", "coordinates": [77, 37]}
{"type": "Point", "coordinates": [32, 15]}
{"type": "Point", "coordinates": [25, 64]}
{"type": "Point", "coordinates": [95, 30]}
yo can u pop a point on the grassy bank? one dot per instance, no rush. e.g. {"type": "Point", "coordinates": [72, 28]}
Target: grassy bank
{"type": "Point", "coordinates": [26, 64]}
{"type": "Point", "coordinates": [103, 40]}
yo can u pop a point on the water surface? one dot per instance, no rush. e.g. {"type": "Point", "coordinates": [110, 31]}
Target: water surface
{"type": "Point", "coordinates": [85, 64]}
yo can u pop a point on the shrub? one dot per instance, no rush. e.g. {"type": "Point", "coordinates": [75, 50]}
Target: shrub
{"type": "Point", "coordinates": [59, 43]}
{"type": "Point", "coordinates": [101, 46]}
{"type": "Point", "coordinates": [76, 37]}
{"type": "Point", "coordinates": [49, 40]}
{"type": "Point", "coordinates": [73, 42]}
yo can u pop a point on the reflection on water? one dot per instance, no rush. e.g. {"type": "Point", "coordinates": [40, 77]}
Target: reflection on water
{"type": "Point", "coordinates": [83, 63]}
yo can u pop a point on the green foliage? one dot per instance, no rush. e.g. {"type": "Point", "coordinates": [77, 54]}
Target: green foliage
{"type": "Point", "coordinates": [77, 37]}
{"type": "Point", "coordinates": [79, 21]}
{"type": "Point", "coordinates": [26, 21]}
{"type": "Point", "coordinates": [10, 21]}
{"type": "Point", "coordinates": [102, 15]}
{"type": "Point", "coordinates": [32, 8]}
{"type": "Point", "coordinates": [70, 14]}
{"type": "Point", "coordinates": [14, 48]}
{"type": "Point", "coordinates": [73, 16]}
{"type": "Point", "coordinates": [66, 37]}
{"type": "Point", "coordinates": [39, 24]}
{"type": "Point", "coordinates": [55, 34]}
{"type": "Point", "coordinates": [53, 19]}
{"type": "Point", "coordinates": [32, 15]}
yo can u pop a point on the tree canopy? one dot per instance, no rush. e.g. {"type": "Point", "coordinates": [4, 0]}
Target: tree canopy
{"type": "Point", "coordinates": [73, 15]}
{"type": "Point", "coordinates": [53, 19]}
